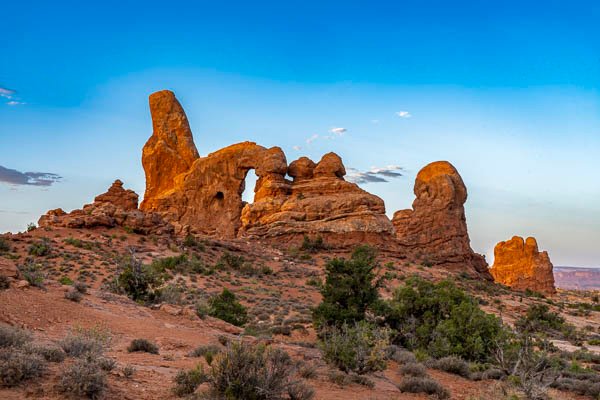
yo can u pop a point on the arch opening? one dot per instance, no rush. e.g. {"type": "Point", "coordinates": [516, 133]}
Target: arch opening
{"type": "Point", "coordinates": [249, 186]}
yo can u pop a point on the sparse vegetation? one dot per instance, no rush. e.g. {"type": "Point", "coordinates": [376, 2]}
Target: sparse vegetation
{"type": "Point", "coordinates": [452, 364]}
{"type": "Point", "coordinates": [359, 348]}
{"type": "Point", "coordinates": [40, 249]}
{"type": "Point", "coordinates": [81, 342]}
{"type": "Point", "coordinates": [4, 246]}
{"type": "Point", "coordinates": [313, 245]}
{"type": "Point", "coordinates": [142, 345]}
{"type": "Point", "coordinates": [17, 365]}
{"type": "Point", "coordinates": [32, 273]}
{"type": "Point", "coordinates": [423, 385]}
{"type": "Point", "coordinates": [187, 381]}
{"type": "Point", "coordinates": [225, 306]}
{"type": "Point", "coordinates": [84, 378]}
{"type": "Point", "coordinates": [73, 295]}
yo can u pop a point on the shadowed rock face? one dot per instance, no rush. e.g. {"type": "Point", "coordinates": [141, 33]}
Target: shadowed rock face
{"type": "Point", "coordinates": [436, 229]}
{"type": "Point", "coordinates": [519, 264]}
{"type": "Point", "coordinates": [204, 194]}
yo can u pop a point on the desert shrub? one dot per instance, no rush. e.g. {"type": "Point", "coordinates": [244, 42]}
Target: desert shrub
{"type": "Point", "coordinates": [191, 242]}
{"type": "Point", "coordinates": [359, 348]}
{"type": "Point", "coordinates": [202, 351]}
{"type": "Point", "coordinates": [142, 345]}
{"type": "Point", "coordinates": [453, 365]}
{"type": "Point", "coordinates": [441, 320]}
{"type": "Point", "coordinates": [307, 371]}
{"type": "Point", "coordinates": [137, 281]}
{"type": "Point", "coordinates": [423, 385]}
{"type": "Point", "coordinates": [73, 295]}
{"type": "Point", "coordinates": [225, 306]}
{"type": "Point", "coordinates": [81, 287]}
{"type": "Point", "coordinates": [40, 249]}
{"type": "Point", "coordinates": [128, 371]}
{"type": "Point", "coordinates": [85, 378]}
{"type": "Point", "coordinates": [32, 273]}
{"type": "Point", "coordinates": [493, 373]}
{"type": "Point", "coordinates": [105, 363]}
{"type": "Point", "coordinates": [343, 379]}
{"type": "Point", "coordinates": [170, 294]}
{"type": "Point", "coordinates": [539, 318]}
{"type": "Point", "coordinates": [313, 245]}
{"type": "Point", "coordinates": [255, 372]}
{"type": "Point", "coordinates": [12, 336]}
{"type": "Point", "coordinates": [186, 382]}
{"type": "Point", "coordinates": [582, 387]}
{"type": "Point", "coordinates": [402, 356]}
{"type": "Point", "coordinates": [51, 353]}
{"type": "Point", "coordinates": [413, 369]}
{"type": "Point", "coordinates": [17, 365]}
{"type": "Point", "coordinates": [4, 246]}
{"type": "Point", "coordinates": [350, 289]}
{"type": "Point", "coordinates": [81, 342]}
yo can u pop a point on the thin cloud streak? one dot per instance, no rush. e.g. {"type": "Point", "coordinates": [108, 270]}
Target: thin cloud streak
{"type": "Point", "coordinates": [14, 177]}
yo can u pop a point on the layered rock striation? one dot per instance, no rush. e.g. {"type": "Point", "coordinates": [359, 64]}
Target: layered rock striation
{"type": "Point", "coordinates": [435, 229]}
{"type": "Point", "coordinates": [519, 264]}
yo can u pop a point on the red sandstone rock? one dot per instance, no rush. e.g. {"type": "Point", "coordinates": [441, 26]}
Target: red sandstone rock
{"type": "Point", "coordinates": [519, 264]}
{"type": "Point", "coordinates": [205, 196]}
{"type": "Point", "coordinates": [170, 151]}
{"type": "Point", "coordinates": [436, 229]}
{"type": "Point", "coordinates": [116, 207]}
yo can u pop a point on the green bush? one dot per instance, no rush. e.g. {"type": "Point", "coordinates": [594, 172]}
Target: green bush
{"type": "Point", "coordinates": [33, 274]}
{"type": "Point", "coordinates": [50, 353]}
{"type": "Point", "coordinates": [139, 282]}
{"type": "Point", "coordinates": [350, 289]}
{"type": "Point", "coordinates": [142, 345]}
{"type": "Point", "coordinates": [225, 306]}
{"type": "Point", "coordinates": [84, 378]}
{"type": "Point", "coordinates": [423, 385]}
{"type": "Point", "coordinates": [40, 249]}
{"type": "Point", "coordinates": [17, 365]}
{"type": "Point", "coordinates": [65, 280]}
{"type": "Point", "coordinates": [313, 245]}
{"type": "Point", "coordinates": [539, 318]}
{"type": "Point", "coordinates": [359, 348]}
{"type": "Point", "coordinates": [442, 320]}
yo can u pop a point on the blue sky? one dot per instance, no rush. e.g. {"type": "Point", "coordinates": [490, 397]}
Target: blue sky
{"type": "Point", "coordinates": [506, 91]}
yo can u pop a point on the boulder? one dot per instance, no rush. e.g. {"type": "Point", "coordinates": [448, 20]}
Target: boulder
{"type": "Point", "coordinates": [519, 264]}
{"type": "Point", "coordinates": [435, 229]}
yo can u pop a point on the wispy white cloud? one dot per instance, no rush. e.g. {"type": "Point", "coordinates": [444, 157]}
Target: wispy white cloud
{"type": "Point", "coordinates": [14, 103]}
{"type": "Point", "coordinates": [297, 148]}
{"type": "Point", "coordinates": [403, 114]}
{"type": "Point", "coordinates": [374, 175]}
{"type": "Point", "coordinates": [312, 138]}
{"type": "Point", "coordinates": [338, 131]}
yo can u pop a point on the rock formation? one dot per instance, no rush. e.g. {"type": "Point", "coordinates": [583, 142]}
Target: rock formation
{"type": "Point", "coordinates": [116, 207]}
{"type": "Point", "coordinates": [204, 194]}
{"type": "Point", "coordinates": [435, 230]}
{"type": "Point", "coordinates": [519, 264]}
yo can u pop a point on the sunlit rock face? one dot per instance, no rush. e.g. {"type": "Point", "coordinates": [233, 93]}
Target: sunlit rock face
{"type": "Point", "coordinates": [435, 229]}
{"type": "Point", "coordinates": [204, 194]}
{"type": "Point", "coordinates": [519, 264]}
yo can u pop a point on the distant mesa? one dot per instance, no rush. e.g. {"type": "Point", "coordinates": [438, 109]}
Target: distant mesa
{"type": "Point", "coordinates": [519, 264]}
